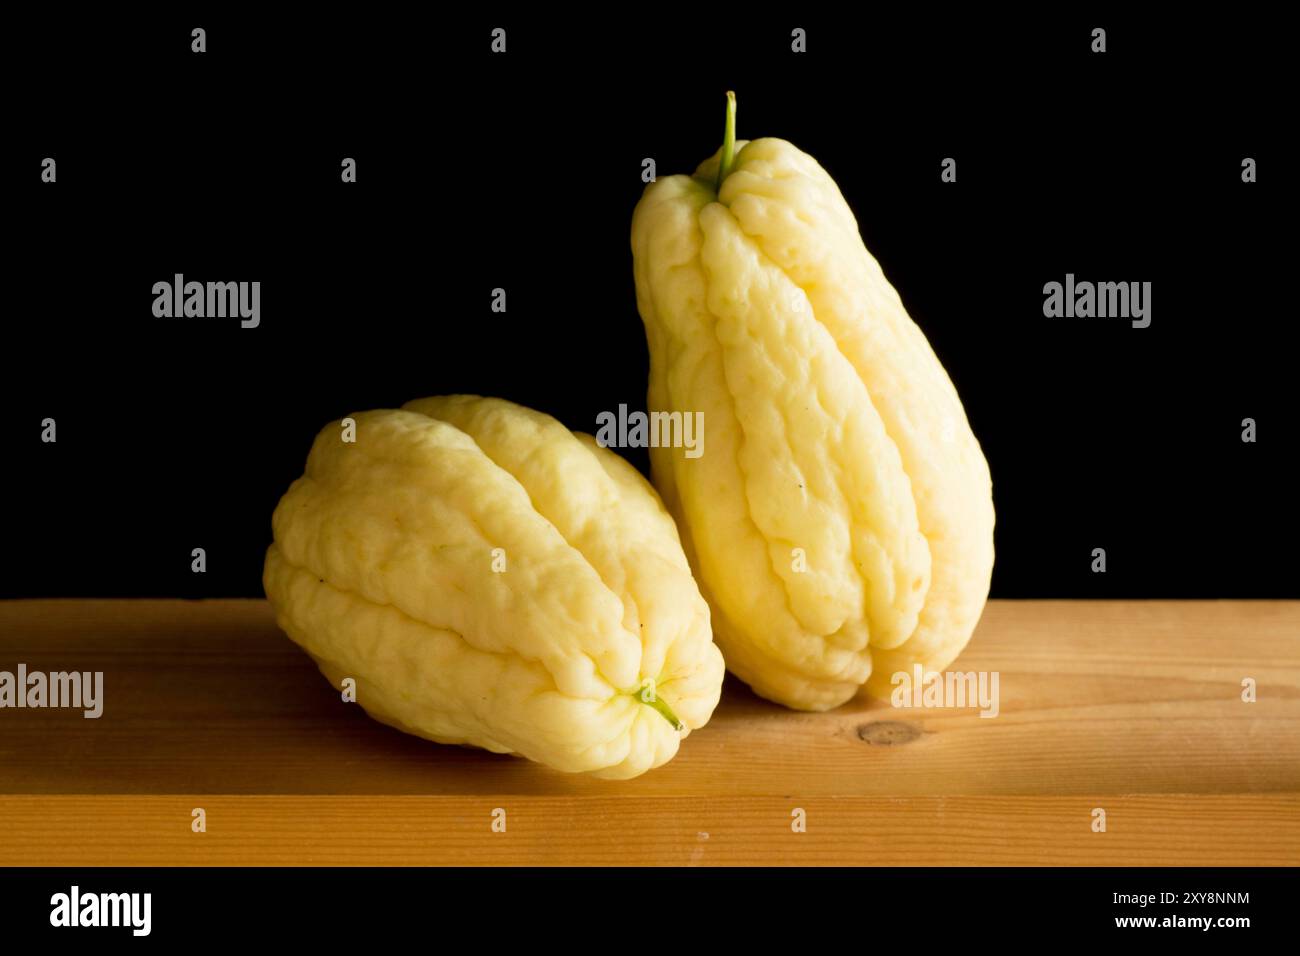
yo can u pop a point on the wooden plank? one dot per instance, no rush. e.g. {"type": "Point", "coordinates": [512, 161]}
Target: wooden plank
{"type": "Point", "coordinates": [1170, 829]}
{"type": "Point", "coordinates": [1136, 701]}
{"type": "Point", "coordinates": [1107, 697]}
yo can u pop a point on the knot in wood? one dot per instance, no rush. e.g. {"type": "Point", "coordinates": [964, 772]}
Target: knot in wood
{"type": "Point", "coordinates": [888, 733]}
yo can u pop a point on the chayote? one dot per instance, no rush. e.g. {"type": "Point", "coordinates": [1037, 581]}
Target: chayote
{"type": "Point", "coordinates": [840, 521]}
{"type": "Point", "coordinates": [488, 577]}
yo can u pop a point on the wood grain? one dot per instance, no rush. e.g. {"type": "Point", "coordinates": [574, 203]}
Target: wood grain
{"type": "Point", "coordinates": [1217, 830]}
{"type": "Point", "coordinates": [1134, 707]}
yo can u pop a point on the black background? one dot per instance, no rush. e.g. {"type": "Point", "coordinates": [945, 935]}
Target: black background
{"type": "Point", "coordinates": [521, 171]}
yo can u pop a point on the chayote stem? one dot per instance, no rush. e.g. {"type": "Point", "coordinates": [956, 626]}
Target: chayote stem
{"type": "Point", "coordinates": [666, 712]}
{"type": "Point", "coordinates": [728, 141]}
{"type": "Point", "coordinates": [649, 696]}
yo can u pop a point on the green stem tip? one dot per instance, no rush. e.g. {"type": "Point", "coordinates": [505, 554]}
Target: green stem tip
{"type": "Point", "coordinates": [728, 141]}
{"type": "Point", "coordinates": [667, 713]}
{"type": "Point", "coordinates": [648, 695]}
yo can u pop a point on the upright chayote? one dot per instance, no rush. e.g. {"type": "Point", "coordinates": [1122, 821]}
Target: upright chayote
{"type": "Point", "coordinates": [840, 521]}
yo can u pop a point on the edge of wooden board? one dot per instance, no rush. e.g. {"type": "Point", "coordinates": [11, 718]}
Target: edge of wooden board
{"type": "Point", "coordinates": [1149, 830]}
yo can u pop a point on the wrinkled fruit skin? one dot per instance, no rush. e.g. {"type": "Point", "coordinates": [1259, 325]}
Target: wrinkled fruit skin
{"type": "Point", "coordinates": [830, 427]}
{"type": "Point", "coordinates": [382, 570]}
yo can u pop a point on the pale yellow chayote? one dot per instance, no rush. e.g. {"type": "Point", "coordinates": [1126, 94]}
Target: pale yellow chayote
{"type": "Point", "coordinates": [490, 578]}
{"type": "Point", "coordinates": [840, 520]}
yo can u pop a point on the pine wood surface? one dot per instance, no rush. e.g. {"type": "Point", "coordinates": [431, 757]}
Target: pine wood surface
{"type": "Point", "coordinates": [1132, 707]}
